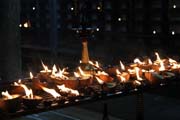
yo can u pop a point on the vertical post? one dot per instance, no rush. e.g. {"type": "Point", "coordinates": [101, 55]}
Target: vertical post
{"type": "Point", "coordinates": [10, 45]}
{"type": "Point", "coordinates": [53, 27]}
{"type": "Point", "coordinates": [105, 112]}
{"type": "Point", "coordinates": [140, 107]}
{"type": "Point", "coordinates": [85, 54]}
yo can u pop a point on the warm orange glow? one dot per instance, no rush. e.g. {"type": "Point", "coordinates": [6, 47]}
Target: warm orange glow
{"type": "Point", "coordinates": [28, 92]}
{"type": "Point", "coordinates": [46, 70]}
{"type": "Point", "coordinates": [122, 66]}
{"type": "Point", "coordinates": [171, 61]}
{"type": "Point", "coordinates": [99, 80]}
{"type": "Point", "coordinates": [65, 89]}
{"type": "Point", "coordinates": [54, 70]}
{"type": "Point", "coordinates": [137, 73]}
{"type": "Point", "coordinates": [51, 91]}
{"type": "Point", "coordinates": [118, 72]}
{"type": "Point", "coordinates": [138, 61]}
{"type": "Point", "coordinates": [31, 75]}
{"type": "Point", "coordinates": [162, 67]}
{"type": "Point", "coordinates": [7, 95]}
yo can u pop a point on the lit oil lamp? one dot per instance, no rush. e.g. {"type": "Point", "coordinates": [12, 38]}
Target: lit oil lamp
{"type": "Point", "coordinates": [72, 95]}
{"type": "Point", "coordinates": [10, 103]}
{"type": "Point", "coordinates": [57, 97]}
{"type": "Point", "coordinates": [122, 75]}
{"type": "Point", "coordinates": [104, 76]}
{"type": "Point", "coordinates": [29, 100]}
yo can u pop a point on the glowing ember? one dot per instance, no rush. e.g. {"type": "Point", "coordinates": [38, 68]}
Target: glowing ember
{"type": "Point", "coordinates": [99, 81]}
{"type": "Point", "coordinates": [65, 89]}
{"type": "Point", "coordinates": [31, 75]}
{"type": "Point", "coordinates": [138, 61]}
{"type": "Point", "coordinates": [7, 95]}
{"type": "Point", "coordinates": [46, 70]}
{"type": "Point", "coordinates": [28, 92]}
{"type": "Point", "coordinates": [51, 91]}
{"type": "Point", "coordinates": [118, 72]}
{"type": "Point", "coordinates": [137, 73]}
{"type": "Point", "coordinates": [122, 66]}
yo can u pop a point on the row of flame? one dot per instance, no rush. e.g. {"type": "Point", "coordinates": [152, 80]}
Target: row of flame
{"type": "Point", "coordinates": [62, 74]}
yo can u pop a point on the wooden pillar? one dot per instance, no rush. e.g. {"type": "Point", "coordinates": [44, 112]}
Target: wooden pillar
{"type": "Point", "coordinates": [10, 46]}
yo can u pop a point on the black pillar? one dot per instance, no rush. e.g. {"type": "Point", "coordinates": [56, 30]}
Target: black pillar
{"type": "Point", "coordinates": [10, 46]}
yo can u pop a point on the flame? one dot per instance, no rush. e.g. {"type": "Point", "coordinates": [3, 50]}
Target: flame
{"type": "Point", "coordinates": [99, 80]}
{"type": "Point", "coordinates": [31, 75]}
{"type": "Point", "coordinates": [28, 92]}
{"type": "Point", "coordinates": [80, 61]}
{"type": "Point", "coordinates": [7, 95]}
{"type": "Point", "coordinates": [118, 72]}
{"type": "Point", "coordinates": [137, 73]}
{"type": "Point", "coordinates": [171, 61]}
{"type": "Point", "coordinates": [54, 70]}
{"type": "Point", "coordinates": [58, 74]}
{"type": "Point", "coordinates": [51, 91]}
{"type": "Point", "coordinates": [102, 73]}
{"type": "Point", "coordinates": [122, 66]}
{"type": "Point", "coordinates": [150, 61]}
{"type": "Point", "coordinates": [138, 61]}
{"type": "Point", "coordinates": [82, 73]}
{"type": "Point", "coordinates": [65, 89]}
{"type": "Point", "coordinates": [45, 68]}
{"type": "Point", "coordinates": [123, 79]}
{"type": "Point", "coordinates": [131, 71]}
{"type": "Point", "coordinates": [76, 74]}
{"type": "Point", "coordinates": [96, 64]}
{"type": "Point", "coordinates": [157, 57]}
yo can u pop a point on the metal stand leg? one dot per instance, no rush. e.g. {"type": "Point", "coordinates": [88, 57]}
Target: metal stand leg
{"type": "Point", "coordinates": [105, 112]}
{"type": "Point", "coordinates": [140, 107]}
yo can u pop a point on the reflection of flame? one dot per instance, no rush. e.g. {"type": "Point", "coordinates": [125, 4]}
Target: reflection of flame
{"type": "Point", "coordinates": [7, 95]}
{"type": "Point", "coordinates": [82, 73]}
{"type": "Point", "coordinates": [122, 66]}
{"type": "Point", "coordinates": [51, 91]}
{"type": "Point", "coordinates": [138, 61]}
{"type": "Point", "coordinates": [136, 82]}
{"type": "Point", "coordinates": [28, 92]}
{"type": "Point", "coordinates": [65, 89]}
{"type": "Point", "coordinates": [99, 80]}
{"type": "Point", "coordinates": [150, 62]}
{"type": "Point", "coordinates": [31, 75]}
{"type": "Point", "coordinates": [45, 68]}
{"type": "Point", "coordinates": [118, 72]}
{"type": "Point", "coordinates": [137, 73]}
